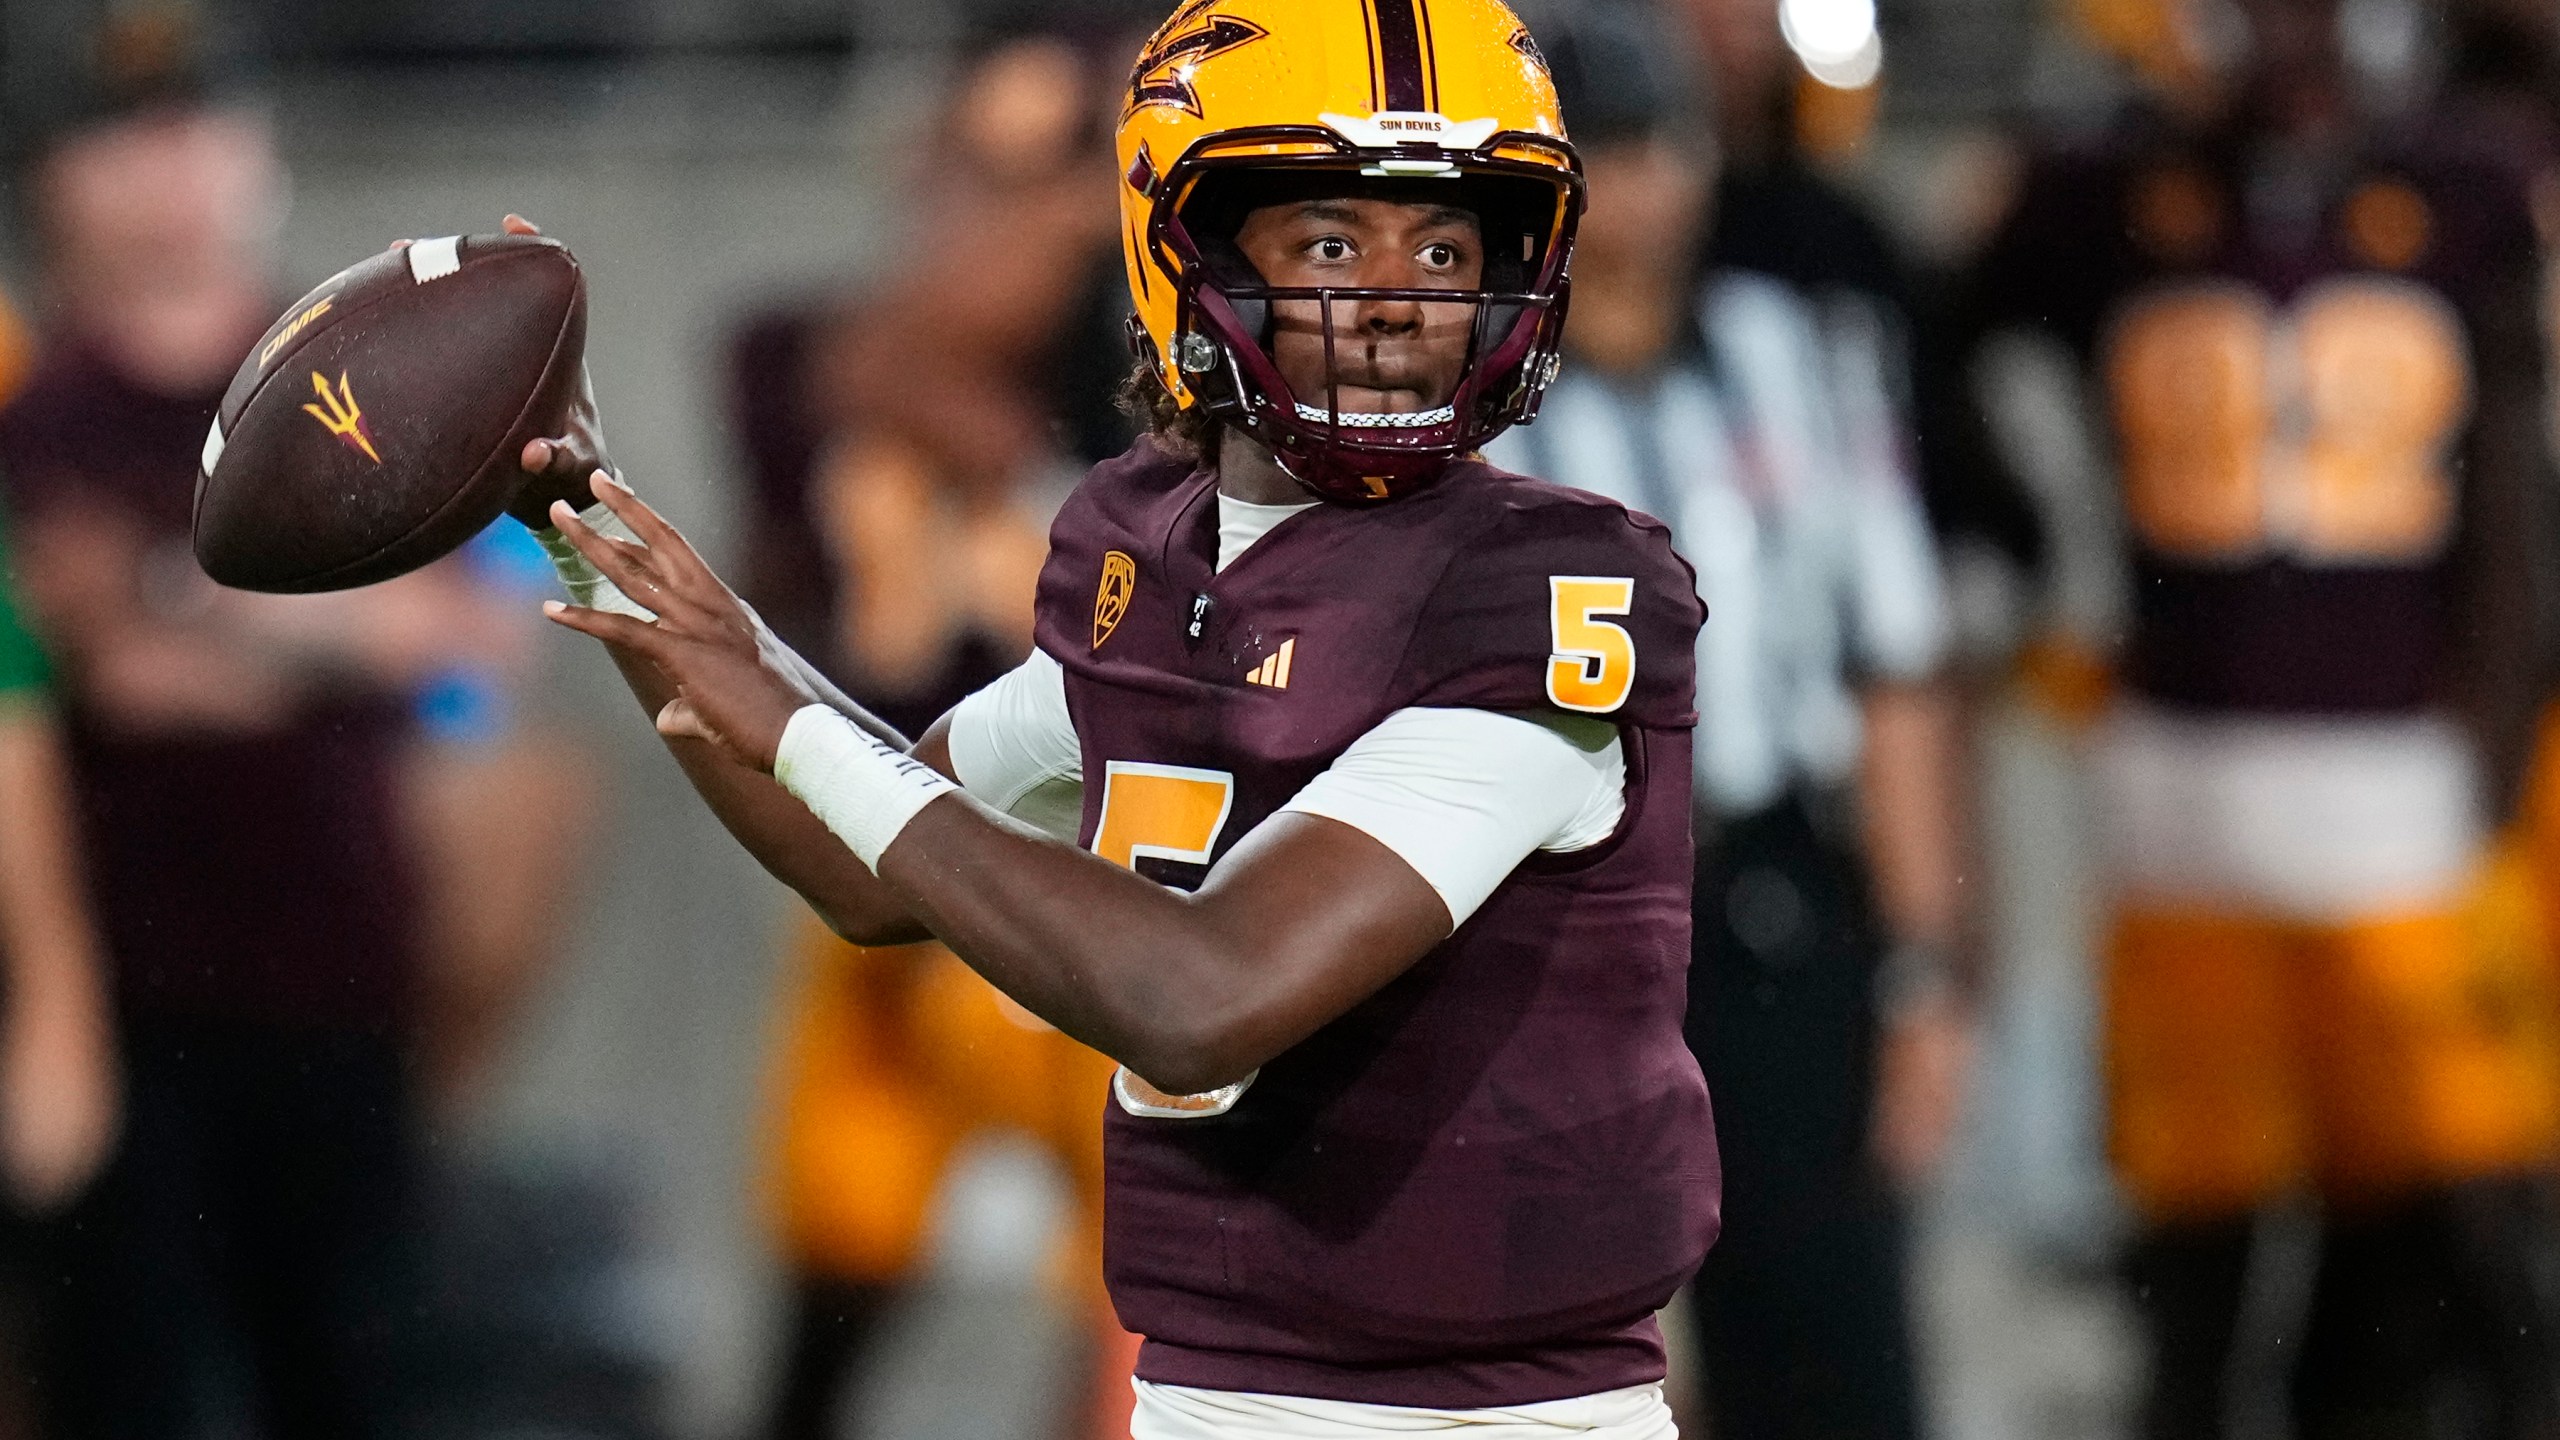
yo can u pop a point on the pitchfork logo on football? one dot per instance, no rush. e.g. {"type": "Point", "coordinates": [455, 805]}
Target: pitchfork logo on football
{"type": "Point", "coordinates": [339, 414]}
{"type": "Point", "coordinates": [1111, 602]}
{"type": "Point", "coordinates": [1164, 73]}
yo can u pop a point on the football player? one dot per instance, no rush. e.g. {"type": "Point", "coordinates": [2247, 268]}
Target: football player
{"type": "Point", "coordinates": [1381, 900]}
{"type": "Point", "coordinates": [2315, 347]}
{"type": "Point", "coordinates": [58, 1092]}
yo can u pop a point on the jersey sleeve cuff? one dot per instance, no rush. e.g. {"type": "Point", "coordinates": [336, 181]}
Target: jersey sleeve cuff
{"type": "Point", "coordinates": [1016, 736]}
{"type": "Point", "coordinates": [1463, 796]}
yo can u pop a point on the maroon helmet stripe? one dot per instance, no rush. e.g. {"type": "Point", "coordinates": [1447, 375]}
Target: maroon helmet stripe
{"type": "Point", "coordinates": [1400, 52]}
{"type": "Point", "coordinates": [1377, 93]}
{"type": "Point", "coordinates": [1430, 58]}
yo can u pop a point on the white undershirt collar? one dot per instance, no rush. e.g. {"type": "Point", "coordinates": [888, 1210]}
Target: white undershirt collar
{"type": "Point", "coordinates": [1241, 523]}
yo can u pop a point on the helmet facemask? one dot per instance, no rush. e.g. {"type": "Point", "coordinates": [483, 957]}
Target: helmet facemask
{"type": "Point", "coordinates": [1225, 341]}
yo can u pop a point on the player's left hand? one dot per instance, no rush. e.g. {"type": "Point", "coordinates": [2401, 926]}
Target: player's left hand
{"type": "Point", "coordinates": [735, 687]}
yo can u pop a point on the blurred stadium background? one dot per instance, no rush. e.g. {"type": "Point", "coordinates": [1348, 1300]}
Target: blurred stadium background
{"type": "Point", "coordinates": [597, 1232]}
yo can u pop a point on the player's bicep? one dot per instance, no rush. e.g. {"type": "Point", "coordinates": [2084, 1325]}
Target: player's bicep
{"type": "Point", "coordinates": [1381, 858]}
{"type": "Point", "coordinates": [1461, 797]}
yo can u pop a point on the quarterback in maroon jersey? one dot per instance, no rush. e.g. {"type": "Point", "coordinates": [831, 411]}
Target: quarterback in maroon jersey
{"type": "Point", "coordinates": [1366, 764]}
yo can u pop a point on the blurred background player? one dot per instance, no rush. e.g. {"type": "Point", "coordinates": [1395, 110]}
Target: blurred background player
{"type": "Point", "coordinates": [59, 1097]}
{"type": "Point", "coordinates": [1756, 412]}
{"type": "Point", "coordinates": [2314, 350]}
{"type": "Point", "coordinates": [1778, 211]}
{"type": "Point", "coordinates": [908, 448]}
{"type": "Point", "coordinates": [309, 840]}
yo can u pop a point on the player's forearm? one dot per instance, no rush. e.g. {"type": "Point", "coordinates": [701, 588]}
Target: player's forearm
{"type": "Point", "coordinates": [52, 947]}
{"type": "Point", "coordinates": [1192, 992]}
{"type": "Point", "coordinates": [1910, 796]}
{"type": "Point", "coordinates": [1114, 960]}
{"type": "Point", "coordinates": [791, 844]}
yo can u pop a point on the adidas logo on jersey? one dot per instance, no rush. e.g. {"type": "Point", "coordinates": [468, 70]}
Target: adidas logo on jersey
{"type": "Point", "coordinates": [1273, 673]}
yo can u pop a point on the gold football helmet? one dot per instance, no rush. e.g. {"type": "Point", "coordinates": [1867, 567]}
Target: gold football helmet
{"type": "Point", "coordinates": [1393, 92]}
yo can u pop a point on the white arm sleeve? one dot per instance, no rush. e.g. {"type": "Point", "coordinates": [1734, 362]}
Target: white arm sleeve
{"type": "Point", "coordinates": [1463, 796]}
{"type": "Point", "coordinates": [1014, 747]}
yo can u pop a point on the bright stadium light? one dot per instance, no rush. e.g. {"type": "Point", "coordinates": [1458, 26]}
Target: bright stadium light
{"type": "Point", "coordinates": [1855, 73]}
{"type": "Point", "coordinates": [1836, 39]}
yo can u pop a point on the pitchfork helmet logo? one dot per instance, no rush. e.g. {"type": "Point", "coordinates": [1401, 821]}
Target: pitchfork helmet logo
{"type": "Point", "coordinates": [1165, 71]}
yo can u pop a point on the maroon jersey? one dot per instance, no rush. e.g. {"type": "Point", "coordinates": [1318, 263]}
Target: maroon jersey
{"type": "Point", "coordinates": [259, 877]}
{"type": "Point", "coordinates": [1477, 1187]}
{"type": "Point", "coordinates": [2323, 389]}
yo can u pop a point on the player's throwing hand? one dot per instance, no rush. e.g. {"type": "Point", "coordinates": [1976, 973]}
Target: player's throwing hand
{"type": "Point", "coordinates": [733, 690]}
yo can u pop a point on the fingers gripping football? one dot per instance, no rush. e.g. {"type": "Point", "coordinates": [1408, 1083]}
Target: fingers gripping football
{"type": "Point", "coordinates": [731, 688]}
{"type": "Point", "coordinates": [557, 467]}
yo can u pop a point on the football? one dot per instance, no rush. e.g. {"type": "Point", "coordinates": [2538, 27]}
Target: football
{"type": "Point", "coordinates": [376, 426]}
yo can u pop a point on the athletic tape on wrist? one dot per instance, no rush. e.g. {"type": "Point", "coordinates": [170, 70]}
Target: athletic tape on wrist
{"type": "Point", "coordinates": [586, 584]}
{"type": "Point", "coordinates": [864, 791]}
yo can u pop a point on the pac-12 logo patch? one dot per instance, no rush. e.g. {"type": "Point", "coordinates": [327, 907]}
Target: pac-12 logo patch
{"type": "Point", "coordinates": [339, 414]}
{"type": "Point", "coordinates": [1111, 602]}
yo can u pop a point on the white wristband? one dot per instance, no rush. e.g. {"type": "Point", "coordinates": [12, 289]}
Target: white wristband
{"type": "Point", "coordinates": [864, 791]}
{"type": "Point", "coordinates": [587, 585]}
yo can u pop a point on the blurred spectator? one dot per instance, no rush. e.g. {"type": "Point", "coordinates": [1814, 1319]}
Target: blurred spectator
{"type": "Point", "coordinates": [499, 800]}
{"type": "Point", "coordinates": [907, 458]}
{"type": "Point", "coordinates": [59, 1097]}
{"type": "Point", "coordinates": [278, 904]}
{"type": "Point", "coordinates": [58, 1090]}
{"type": "Point", "coordinates": [928, 404]}
{"type": "Point", "coordinates": [2502, 88]}
{"type": "Point", "coordinates": [1758, 413]}
{"type": "Point", "coordinates": [2311, 342]}
{"type": "Point", "coordinates": [57, 1084]}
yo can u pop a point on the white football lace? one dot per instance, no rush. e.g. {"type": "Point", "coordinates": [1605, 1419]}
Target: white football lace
{"type": "Point", "coordinates": [1371, 420]}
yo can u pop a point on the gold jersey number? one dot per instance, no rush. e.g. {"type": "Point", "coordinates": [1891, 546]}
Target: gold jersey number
{"type": "Point", "coordinates": [1164, 812]}
{"type": "Point", "coordinates": [1592, 667]}
{"type": "Point", "coordinates": [2320, 430]}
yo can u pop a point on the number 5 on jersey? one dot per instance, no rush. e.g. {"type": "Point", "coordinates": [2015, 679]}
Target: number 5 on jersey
{"type": "Point", "coordinates": [1164, 812]}
{"type": "Point", "coordinates": [1593, 668]}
